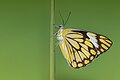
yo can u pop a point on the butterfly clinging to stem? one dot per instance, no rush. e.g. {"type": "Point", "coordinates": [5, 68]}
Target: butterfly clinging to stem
{"type": "Point", "coordinates": [81, 47]}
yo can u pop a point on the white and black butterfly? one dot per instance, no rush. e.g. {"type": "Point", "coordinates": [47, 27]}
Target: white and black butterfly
{"type": "Point", "coordinates": [81, 47]}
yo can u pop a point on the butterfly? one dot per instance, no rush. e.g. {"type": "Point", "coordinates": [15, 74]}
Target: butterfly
{"type": "Point", "coordinates": [81, 47]}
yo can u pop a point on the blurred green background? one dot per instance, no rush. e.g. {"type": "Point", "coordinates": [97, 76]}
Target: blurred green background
{"type": "Point", "coordinates": [24, 38]}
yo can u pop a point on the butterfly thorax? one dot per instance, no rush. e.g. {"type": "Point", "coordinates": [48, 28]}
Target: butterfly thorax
{"type": "Point", "coordinates": [59, 34]}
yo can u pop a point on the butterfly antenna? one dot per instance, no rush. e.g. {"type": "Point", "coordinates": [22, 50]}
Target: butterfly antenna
{"type": "Point", "coordinates": [67, 18]}
{"type": "Point", "coordinates": [61, 18]}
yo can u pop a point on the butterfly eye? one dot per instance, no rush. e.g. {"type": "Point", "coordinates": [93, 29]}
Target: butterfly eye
{"type": "Point", "coordinates": [60, 26]}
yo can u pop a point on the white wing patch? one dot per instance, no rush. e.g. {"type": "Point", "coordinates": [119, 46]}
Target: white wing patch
{"type": "Point", "coordinates": [93, 39]}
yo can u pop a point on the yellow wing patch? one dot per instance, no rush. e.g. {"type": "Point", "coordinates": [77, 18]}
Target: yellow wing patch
{"type": "Point", "coordinates": [88, 44]}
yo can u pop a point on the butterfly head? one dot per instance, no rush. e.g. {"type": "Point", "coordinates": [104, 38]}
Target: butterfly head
{"type": "Point", "coordinates": [59, 33]}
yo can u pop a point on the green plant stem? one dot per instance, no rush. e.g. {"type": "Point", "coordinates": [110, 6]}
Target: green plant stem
{"type": "Point", "coordinates": [52, 61]}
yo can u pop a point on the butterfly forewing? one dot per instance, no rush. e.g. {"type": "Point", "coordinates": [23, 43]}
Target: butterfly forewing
{"type": "Point", "coordinates": [82, 47]}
